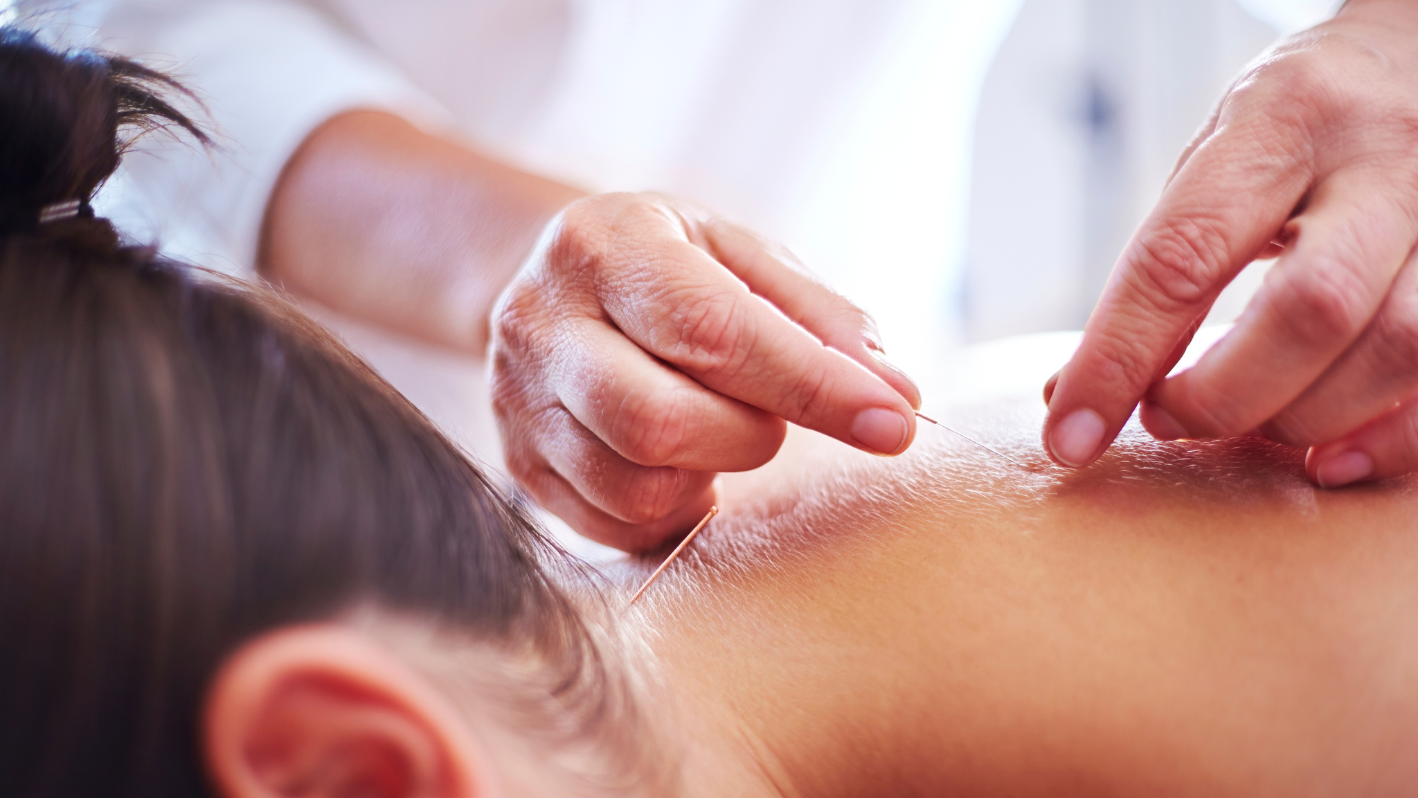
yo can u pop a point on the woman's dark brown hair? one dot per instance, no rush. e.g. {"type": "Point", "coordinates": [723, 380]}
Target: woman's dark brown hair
{"type": "Point", "coordinates": [185, 463]}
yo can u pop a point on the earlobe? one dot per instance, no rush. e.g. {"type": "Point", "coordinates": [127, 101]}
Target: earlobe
{"type": "Point", "coordinates": [323, 710]}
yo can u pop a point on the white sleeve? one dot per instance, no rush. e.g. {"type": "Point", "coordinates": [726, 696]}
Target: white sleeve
{"type": "Point", "coordinates": [269, 73]}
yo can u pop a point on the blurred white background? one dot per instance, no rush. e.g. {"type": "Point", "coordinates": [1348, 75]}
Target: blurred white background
{"type": "Point", "coordinates": [1083, 113]}
{"type": "Point", "coordinates": [994, 171]}
{"type": "Point", "coordinates": [964, 169]}
{"type": "Point", "coordinates": [1006, 151]}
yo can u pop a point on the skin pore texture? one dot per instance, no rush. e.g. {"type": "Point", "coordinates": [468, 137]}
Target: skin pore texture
{"type": "Point", "coordinates": [1183, 618]}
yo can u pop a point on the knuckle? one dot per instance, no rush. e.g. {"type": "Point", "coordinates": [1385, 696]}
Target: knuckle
{"type": "Point", "coordinates": [650, 494]}
{"type": "Point", "coordinates": [710, 334]}
{"type": "Point", "coordinates": [1296, 86]}
{"type": "Point", "coordinates": [1293, 74]}
{"type": "Point", "coordinates": [505, 393]}
{"type": "Point", "coordinates": [1342, 89]}
{"type": "Point", "coordinates": [584, 238]}
{"type": "Point", "coordinates": [1321, 307]}
{"type": "Point", "coordinates": [512, 319]}
{"type": "Point", "coordinates": [764, 447]}
{"type": "Point", "coordinates": [594, 225]}
{"type": "Point", "coordinates": [1124, 362]}
{"type": "Point", "coordinates": [576, 253]}
{"type": "Point", "coordinates": [650, 429]}
{"type": "Point", "coordinates": [525, 467]}
{"type": "Point", "coordinates": [523, 423]}
{"type": "Point", "coordinates": [1276, 109]}
{"type": "Point", "coordinates": [508, 387]}
{"type": "Point", "coordinates": [1180, 263]}
{"type": "Point", "coordinates": [807, 393]}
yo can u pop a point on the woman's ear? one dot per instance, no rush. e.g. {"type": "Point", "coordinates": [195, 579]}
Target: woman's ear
{"type": "Point", "coordinates": [323, 710]}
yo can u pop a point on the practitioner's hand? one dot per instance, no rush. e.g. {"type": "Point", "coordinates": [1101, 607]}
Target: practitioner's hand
{"type": "Point", "coordinates": [1313, 155]}
{"type": "Point", "coordinates": [646, 346]}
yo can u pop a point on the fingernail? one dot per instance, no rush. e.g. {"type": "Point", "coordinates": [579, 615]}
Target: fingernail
{"type": "Point", "coordinates": [1049, 387]}
{"type": "Point", "coordinates": [1161, 424]}
{"type": "Point", "coordinates": [1336, 472]}
{"type": "Point", "coordinates": [880, 430]}
{"type": "Point", "coordinates": [1074, 439]}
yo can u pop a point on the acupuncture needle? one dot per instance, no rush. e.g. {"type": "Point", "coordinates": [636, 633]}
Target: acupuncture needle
{"type": "Point", "coordinates": [990, 449]}
{"type": "Point", "coordinates": [713, 511]}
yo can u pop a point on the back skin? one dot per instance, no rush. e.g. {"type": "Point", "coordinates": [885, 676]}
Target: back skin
{"type": "Point", "coordinates": [1184, 618]}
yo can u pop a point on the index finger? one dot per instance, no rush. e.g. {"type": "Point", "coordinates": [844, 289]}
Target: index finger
{"type": "Point", "coordinates": [773, 273]}
{"type": "Point", "coordinates": [1224, 207]}
{"type": "Point", "coordinates": [682, 306]}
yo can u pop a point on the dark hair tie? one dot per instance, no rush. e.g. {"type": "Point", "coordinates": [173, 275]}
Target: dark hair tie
{"type": "Point", "coordinates": [65, 121]}
{"type": "Point", "coordinates": [19, 221]}
{"type": "Point", "coordinates": [63, 211]}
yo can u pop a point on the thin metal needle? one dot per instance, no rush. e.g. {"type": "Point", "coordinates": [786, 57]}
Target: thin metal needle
{"type": "Point", "coordinates": [990, 449]}
{"type": "Point", "coordinates": [713, 511]}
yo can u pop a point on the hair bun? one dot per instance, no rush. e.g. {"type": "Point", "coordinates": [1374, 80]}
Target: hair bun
{"type": "Point", "coordinates": [60, 119]}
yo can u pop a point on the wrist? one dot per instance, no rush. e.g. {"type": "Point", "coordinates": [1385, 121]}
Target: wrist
{"type": "Point", "coordinates": [382, 221]}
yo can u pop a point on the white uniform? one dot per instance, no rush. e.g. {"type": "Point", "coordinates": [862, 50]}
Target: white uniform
{"type": "Point", "coordinates": [725, 100]}
{"type": "Point", "coordinates": [840, 127]}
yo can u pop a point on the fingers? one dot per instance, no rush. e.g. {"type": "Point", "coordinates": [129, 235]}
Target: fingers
{"type": "Point", "coordinates": [631, 364]}
{"type": "Point", "coordinates": [652, 415]}
{"type": "Point", "coordinates": [773, 273]}
{"type": "Point", "coordinates": [639, 353]}
{"type": "Point", "coordinates": [570, 503]}
{"type": "Point", "coordinates": [1317, 300]}
{"type": "Point", "coordinates": [582, 479]}
{"type": "Point", "coordinates": [1384, 448]}
{"type": "Point", "coordinates": [1153, 419]}
{"type": "Point", "coordinates": [679, 304]}
{"type": "Point", "coordinates": [620, 498]}
{"type": "Point", "coordinates": [1374, 375]}
{"type": "Point", "coordinates": [1225, 205]}
{"type": "Point", "coordinates": [1320, 130]}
